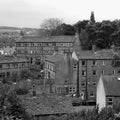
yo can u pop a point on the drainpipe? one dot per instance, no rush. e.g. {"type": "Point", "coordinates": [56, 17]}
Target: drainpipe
{"type": "Point", "coordinates": [78, 90]}
{"type": "Point", "coordinates": [86, 89]}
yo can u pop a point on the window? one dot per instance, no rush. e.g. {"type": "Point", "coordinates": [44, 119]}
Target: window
{"type": "Point", "coordinates": [118, 71]}
{"type": "Point", "coordinates": [83, 84]}
{"type": "Point", "coordinates": [94, 83]}
{"type": "Point", "coordinates": [83, 73]}
{"type": "Point", "coordinates": [102, 71]}
{"type": "Point", "coordinates": [47, 44]}
{"type": "Point", "coordinates": [8, 65]}
{"type": "Point", "coordinates": [0, 65]}
{"type": "Point", "coordinates": [2, 75]}
{"type": "Point", "coordinates": [113, 72]}
{"type": "Point", "coordinates": [18, 44]}
{"type": "Point", "coordinates": [83, 63]}
{"type": "Point", "coordinates": [94, 63]}
{"type": "Point", "coordinates": [75, 66]}
{"type": "Point", "coordinates": [70, 89]}
{"type": "Point", "coordinates": [94, 72]}
{"type": "Point", "coordinates": [25, 44]}
{"type": "Point", "coordinates": [8, 74]}
{"type": "Point", "coordinates": [32, 44]}
{"type": "Point", "coordinates": [15, 65]}
{"type": "Point", "coordinates": [59, 89]}
{"type": "Point", "coordinates": [91, 94]}
{"type": "Point", "coordinates": [49, 74]}
{"type": "Point", "coordinates": [74, 89]}
{"type": "Point", "coordinates": [103, 63]}
{"type": "Point", "coordinates": [23, 64]}
{"type": "Point", "coordinates": [110, 101]}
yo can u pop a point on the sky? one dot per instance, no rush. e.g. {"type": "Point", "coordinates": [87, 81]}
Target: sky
{"type": "Point", "coordinates": [31, 13]}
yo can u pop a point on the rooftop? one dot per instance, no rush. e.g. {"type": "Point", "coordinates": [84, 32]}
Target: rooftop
{"type": "Point", "coordinates": [47, 39]}
{"type": "Point", "coordinates": [101, 54]}
{"type": "Point", "coordinates": [55, 57]}
{"type": "Point", "coordinates": [111, 85]}
{"type": "Point", "coordinates": [10, 59]}
{"type": "Point", "coordinates": [47, 104]}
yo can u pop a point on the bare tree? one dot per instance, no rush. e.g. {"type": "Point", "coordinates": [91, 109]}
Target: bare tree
{"type": "Point", "coordinates": [51, 23]}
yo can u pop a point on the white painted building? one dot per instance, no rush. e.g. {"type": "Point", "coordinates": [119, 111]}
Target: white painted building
{"type": "Point", "coordinates": [108, 91]}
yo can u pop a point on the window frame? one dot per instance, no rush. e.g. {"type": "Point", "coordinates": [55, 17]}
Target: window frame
{"type": "Point", "coordinates": [110, 102]}
{"type": "Point", "coordinates": [83, 71]}
{"type": "Point", "coordinates": [93, 72]}
{"type": "Point", "coordinates": [94, 62]}
{"type": "Point", "coordinates": [83, 62]}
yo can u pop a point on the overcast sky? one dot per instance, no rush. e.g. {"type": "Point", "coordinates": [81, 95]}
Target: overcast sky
{"type": "Point", "coordinates": [30, 13]}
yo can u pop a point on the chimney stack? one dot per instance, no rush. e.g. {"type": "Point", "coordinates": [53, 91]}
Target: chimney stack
{"type": "Point", "coordinates": [77, 44]}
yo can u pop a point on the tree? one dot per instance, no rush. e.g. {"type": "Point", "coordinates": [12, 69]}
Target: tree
{"type": "Point", "coordinates": [16, 108]}
{"type": "Point", "coordinates": [24, 74]}
{"type": "Point", "coordinates": [14, 77]}
{"type": "Point", "coordinates": [10, 104]}
{"type": "Point", "coordinates": [4, 91]}
{"type": "Point", "coordinates": [80, 25]}
{"type": "Point", "coordinates": [21, 91]}
{"type": "Point", "coordinates": [92, 18]}
{"type": "Point", "coordinates": [51, 23]}
{"type": "Point", "coordinates": [22, 33]}
{"type": "Point", "coordinates": [48, 26]}
{"type": "Point", "coordinates": [84, 39]}
{"type": "Point", "coordinates": [65, 29]}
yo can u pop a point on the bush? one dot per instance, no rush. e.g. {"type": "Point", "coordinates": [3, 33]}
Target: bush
{"type": "Point", "coordinates": [22, 91]}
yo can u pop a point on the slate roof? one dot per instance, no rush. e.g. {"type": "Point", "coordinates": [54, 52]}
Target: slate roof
{"type": "Point", "coordinates": [55, 57]}
{"type": "Point", "coordinates": [111, 85]}
{"type": "Point", "coordinates": [47, 39]}
{"type": "Point", "coordinates": [10, 59]}
{"type": "Point", "coordinates": [47, 105]}
{"type": "Point", "coordinates": [101, 54]}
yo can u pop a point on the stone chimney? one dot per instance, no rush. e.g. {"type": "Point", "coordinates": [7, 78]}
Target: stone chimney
{"type": "Point", "coordinates": [77, 43]}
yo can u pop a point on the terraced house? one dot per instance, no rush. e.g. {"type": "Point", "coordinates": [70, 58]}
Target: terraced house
{"type": "Point", "coordinates": [35, 48]}
{"type": "Point", "coordinates": [11, 66]}
{"type": "Point", "coordinates": [91, 65]}
{"type": "Point", "coordinates": [61, 69]}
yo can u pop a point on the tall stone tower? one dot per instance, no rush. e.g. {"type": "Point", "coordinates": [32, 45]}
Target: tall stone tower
{"type": "Point", "coordinates": [77, 43]}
